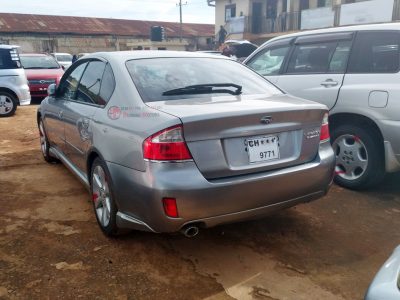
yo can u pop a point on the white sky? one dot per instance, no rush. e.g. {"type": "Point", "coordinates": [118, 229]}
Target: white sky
{"type": "Point", "coordinates": [196, 11]}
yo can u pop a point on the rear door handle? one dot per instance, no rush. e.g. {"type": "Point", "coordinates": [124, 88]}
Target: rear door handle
{"type": "Point", "coordinates": [329, 82]}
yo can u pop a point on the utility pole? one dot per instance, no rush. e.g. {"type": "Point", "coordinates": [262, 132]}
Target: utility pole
{"type": "Point", "coordinates": [180, 18]}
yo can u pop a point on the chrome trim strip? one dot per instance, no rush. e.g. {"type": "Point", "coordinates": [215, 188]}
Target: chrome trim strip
{"type": "Point", "coordinates": [81, 176]}
{"type": "Point", "coordinates": [130, 219]}
{"type": "Point", "coordinates": [169, 161]}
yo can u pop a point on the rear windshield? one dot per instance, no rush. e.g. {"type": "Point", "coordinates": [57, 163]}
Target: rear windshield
{"type": "Point", "coordinates": [64, 57]}
{"type": "Point", "coordinates": [9, 59]}
{"type": "Point", "coordinates": [154, 76]}
{"type": "Point", "coordinates": [39, 62]}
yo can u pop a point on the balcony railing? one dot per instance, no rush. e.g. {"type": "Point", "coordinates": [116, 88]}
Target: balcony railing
{"type": "Point", "coordinates": [307, 19]}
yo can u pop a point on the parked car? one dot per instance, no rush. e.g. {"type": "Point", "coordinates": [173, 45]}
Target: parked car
{"type": "Point", "coordinates": [386, 284]}
{"type": "Point", "coordinates": [14, 88]}
{"type": "Point", "coordinates": [64, 59]}
{"type": "Point", "coordinates": [355, 72]}
{"type": "Point", "coordinates": [41, 71]}
{"type": "Point", "coordinates": [168, 149]}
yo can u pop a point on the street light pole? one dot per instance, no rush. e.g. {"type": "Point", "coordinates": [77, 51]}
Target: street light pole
{"type": "Point", "coordinates": [180, 19]}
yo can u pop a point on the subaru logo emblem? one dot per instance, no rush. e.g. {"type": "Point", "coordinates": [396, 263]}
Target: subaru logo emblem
{"type": "Point", "coordinates": [42, 81]}
{"type": "Point", "coordinates": [266, 120]}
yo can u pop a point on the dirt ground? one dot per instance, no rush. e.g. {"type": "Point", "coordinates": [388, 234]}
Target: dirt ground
{"type": "Point", "coordinates": [51, 247]}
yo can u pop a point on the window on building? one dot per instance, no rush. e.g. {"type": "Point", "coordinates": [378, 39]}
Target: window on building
{"type": "Point", "coordinates": [230, 12]}
{"type": "Point", "coordinates": [375, 52]}
{"type": "Point", "coordinates": [304, 4]}
{"type": "Point", "coordinates": [321, 3]}
{"type": "Point", "coordinates": [269, 61]}
{"type": "Point", "coordinates": [272, 7]}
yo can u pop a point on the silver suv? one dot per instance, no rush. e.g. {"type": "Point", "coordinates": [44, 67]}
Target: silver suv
{"type": "Point", "coordinates": [354, 71]}
{"type": "Point", "coordinates": [14, 89]}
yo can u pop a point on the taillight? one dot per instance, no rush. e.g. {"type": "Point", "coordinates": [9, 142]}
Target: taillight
{"type": "Point", "coordinates": [167, 144]}
{"type": "Point", "coordinates": [324, 135]}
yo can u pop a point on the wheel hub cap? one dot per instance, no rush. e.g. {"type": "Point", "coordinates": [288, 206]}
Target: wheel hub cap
{"type": "Point", "coordinates": [351, 157]}
{"type": "Point", "coordinates": [101, 196]}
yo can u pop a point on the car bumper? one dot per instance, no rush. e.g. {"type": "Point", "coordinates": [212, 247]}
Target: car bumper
{"type": "Point", "coordinates": [213, 202]}
{"type": "Point", "coordinates": [24, 95]}
{"type": "Point", "coordinates": [385, 283]}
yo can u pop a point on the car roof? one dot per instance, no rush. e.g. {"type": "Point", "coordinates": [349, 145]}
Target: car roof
{"type": "Point", "coordinates": [60, 53]}
{"type": "Point", "coordinates": [147, 54]}
{"type": "Point", "coordinates": [380, 26]}
{"type": "Point", "coordinates": [8, 46]}
{"type": "Point", "coordinates": [33, 54]}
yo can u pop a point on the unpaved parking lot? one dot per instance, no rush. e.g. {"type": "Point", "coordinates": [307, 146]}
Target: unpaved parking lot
{"type": "Point", "coordinates": [51, 247]}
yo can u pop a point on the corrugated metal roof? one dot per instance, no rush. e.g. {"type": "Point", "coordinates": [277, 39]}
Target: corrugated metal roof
{"type": "Point", "coordinates": [27, 23]}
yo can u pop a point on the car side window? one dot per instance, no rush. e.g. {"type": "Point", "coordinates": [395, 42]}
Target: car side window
{"type": "Point", "coordinates": [107, 86]}
{"type": "Point", "coordinates": [340, 57]}
{"type": "Point", "coordinates": [375, 52]}
{"type": "Point", "coordinates": [69, 85]}
{"type": "Point", "coordinates": [269, 61]}
{"type": "Point", "coordinates": [311, 58]}
{"type": "Point", "coordinates": [89, 86]}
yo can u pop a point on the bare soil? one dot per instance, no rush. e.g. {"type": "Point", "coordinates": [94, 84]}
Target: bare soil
{"type": "Point", "coordinates": [51, 247]}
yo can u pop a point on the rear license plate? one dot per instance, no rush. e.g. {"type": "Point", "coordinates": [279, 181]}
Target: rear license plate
{"type": "Point", "coordinates": [263, 148]}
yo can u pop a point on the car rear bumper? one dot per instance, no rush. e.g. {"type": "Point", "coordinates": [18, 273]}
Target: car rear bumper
{"type": "Point", "coordinates": [24, 96]}
{"type": "Point", "coordinates": [390, 130]}
{"type": "Point", "coordinates": [209, 203]}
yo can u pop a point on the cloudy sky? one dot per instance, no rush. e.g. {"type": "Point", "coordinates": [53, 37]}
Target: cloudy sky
{"type": "Point", "coordinates": [196, 11]}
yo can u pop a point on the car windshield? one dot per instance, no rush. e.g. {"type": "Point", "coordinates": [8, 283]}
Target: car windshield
{"type": "Point", "coordinates": [64, 57]}
{"type": "Point", "coordinates": [39, 62]}
{"type": "Point", "coordinates": [155, 78]}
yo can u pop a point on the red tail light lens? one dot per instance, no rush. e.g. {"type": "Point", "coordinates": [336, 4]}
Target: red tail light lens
{"type": "Point", "coordinates": [324, 135]}
{"type": "Point", "coordinates": [167, 144]}
{"type": "Point", "coordinates": [170, 207]}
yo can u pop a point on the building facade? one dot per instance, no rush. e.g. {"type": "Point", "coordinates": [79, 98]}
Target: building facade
{"type": "Point", "coordinates": [40, 33]}
{"type": "Point", "coordinates": [260, 20]}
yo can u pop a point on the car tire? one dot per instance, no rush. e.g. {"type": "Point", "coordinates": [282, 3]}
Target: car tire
{"type": "Point", "coordinates": [8, 104]}
{"type": "Point", "coordinates": [359, 157]}
{"type": "Point", "coordinates": [45, 145]}
{"type": "Point", "coordinates": [102, 193]}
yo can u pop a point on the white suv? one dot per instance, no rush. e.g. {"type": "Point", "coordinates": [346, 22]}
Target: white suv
{"type": "Point", "coordinates": [354, 70]}
{"type": "Point", "coordinates": [14, 89]}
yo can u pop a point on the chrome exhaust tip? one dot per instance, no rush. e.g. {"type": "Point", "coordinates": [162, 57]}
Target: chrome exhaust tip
{"type": "Point", "coordinates": [190, 231]}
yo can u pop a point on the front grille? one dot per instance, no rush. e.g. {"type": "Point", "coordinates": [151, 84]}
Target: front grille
{"type": "Point", "coordinates": [42, 81]}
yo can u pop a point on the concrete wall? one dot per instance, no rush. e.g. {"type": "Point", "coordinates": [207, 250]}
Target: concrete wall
{"type": "Point", "coordinates": [79, 44]}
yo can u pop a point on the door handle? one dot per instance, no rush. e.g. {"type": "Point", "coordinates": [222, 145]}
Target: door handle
{"type": "Point", "coordinates": [329, 82]}
{"type": "Point", "coordinates": [60, 114]}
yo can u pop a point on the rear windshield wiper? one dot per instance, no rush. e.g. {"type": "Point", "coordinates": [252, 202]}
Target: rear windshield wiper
{"type": "Point", "coordinates": [209, 88]}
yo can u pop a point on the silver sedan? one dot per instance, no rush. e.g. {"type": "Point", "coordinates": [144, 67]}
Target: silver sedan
{"type": "Point", "coordinates": [174, 141]}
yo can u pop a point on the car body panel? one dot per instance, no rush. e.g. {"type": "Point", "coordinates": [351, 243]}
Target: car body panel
{"type": "Point", "coordinates": [385, 284]}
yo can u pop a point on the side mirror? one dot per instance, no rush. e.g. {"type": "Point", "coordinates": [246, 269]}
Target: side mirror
{"type": "Point", "coordinates": [63, 67]}
{"type": "Point", "coordinates": [51, 90]}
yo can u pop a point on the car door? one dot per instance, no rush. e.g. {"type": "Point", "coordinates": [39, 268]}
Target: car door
{"type": "Point", "coordinates": [316, 67]}
{"type": "Point", "coordinates": [79, 112]}
{"type": "Point", "coordinates": [269, 60]}
{"type": "Point", "coordinates": [54, 119]}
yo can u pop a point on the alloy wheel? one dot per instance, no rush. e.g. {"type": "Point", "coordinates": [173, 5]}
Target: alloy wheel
{"type": "Point", "coordinates": [101, 196]}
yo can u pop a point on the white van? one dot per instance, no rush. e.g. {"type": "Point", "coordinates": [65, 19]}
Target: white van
{"type": "Point", "coordinates": [355, 72]}
{"type": "Point", "coordinates": [14, 89]}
